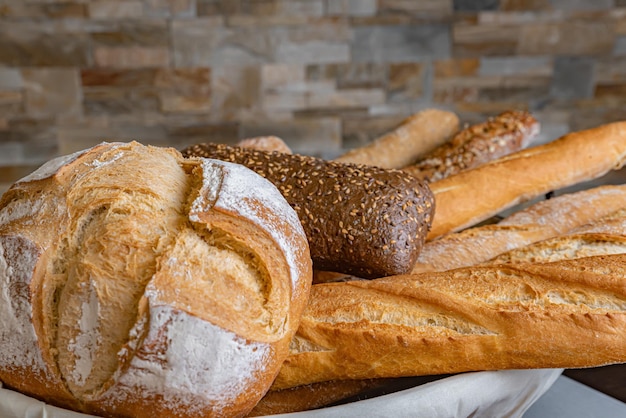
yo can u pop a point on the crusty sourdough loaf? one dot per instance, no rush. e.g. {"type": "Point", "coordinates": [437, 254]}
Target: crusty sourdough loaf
{"type": "Point", "coordinates": [501, 135]}
{"type": "Point", "coordinates": [137, 283]}
{"type": "Point", "coordinates": [413, 138]}
{"type": "Point", "coordinates": [467, 198]}
{"type": "Point", "coordinates": [361, 220]}
{"type": "Point", "coordinates": [566, 314]}
{"type": "Point", "coordinates": [543, 220]}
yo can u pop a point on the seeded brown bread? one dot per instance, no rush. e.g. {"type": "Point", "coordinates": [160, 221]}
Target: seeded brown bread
{"type": "Point", "coordinates": [478, 144]}
{"type": "Point", "coordinates": [360, 220]}
{"type": "Point", "coordinates": [467, 198]}
{"type": "Point", "coordinates": [566, 314]}
{"type": "Point", "coordinates": [413, 138]}
{"type": "Point", "coordinates": [542, 220]}
{"type": "Point", "coordinates": [137, 283]}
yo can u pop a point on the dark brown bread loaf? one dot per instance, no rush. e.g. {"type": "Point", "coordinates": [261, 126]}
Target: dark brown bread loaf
{"type": "Point", "coordinates": [361, 220]}
{"type": "Point", "coordinates": [478, 144]}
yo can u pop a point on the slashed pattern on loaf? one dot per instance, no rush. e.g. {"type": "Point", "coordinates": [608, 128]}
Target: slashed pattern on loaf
{"type": "Point", "coordinates": [239, 193]}
{"type": "Point", "coordinates": [200, 359]}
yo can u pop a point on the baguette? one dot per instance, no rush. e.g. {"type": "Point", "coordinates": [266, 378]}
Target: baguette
{"type": "Point", "coordinates": [478, 144]}
{"type": "Point", "coordinates": [360, 220]}
{"type": "Point", "coordinates": [543, 220]}
{"type": "Point", "coordinates": [606, 236]}
{"type": "Point", "coordinates": [414, 137]}
{"type": "Point", "coordinates": [566, 314]}
{"type": "Point", "coordinates": [487, 190]}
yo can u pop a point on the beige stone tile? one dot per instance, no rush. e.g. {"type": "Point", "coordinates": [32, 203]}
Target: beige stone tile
{"type": "Point", "coordinates": [351, 75]}
{"type": "Point", "coordinates": [346, 98]}
{"type": "Point", "coordinates": [521, 17]}
{"type": "Point", "coordinates": [425, 8]}
{"type": "Point", "coordinates": [189, 81]}
{"type": "Point", "coordinates": [11, 97]}
{"type": "Point", "coordinates": [131, 57]}
{"type": "Point", "coordinates": [170, 8]}
{"type": "Point", "coordinates": [280, 75]}
{"type": "Point", "coordinates": [109, 77]}
{"type": "Point", "coordinates": [23, 10]}
{"type": "Point", "coordinates": [313, 136]}
{"type": "Point", "coordinates": [358, 131]}
{"type": "Point", "coordinates": [406, 81]}
{"type": "Point", "coordinates": [207, 42]}
{"type": "Point", "coordinates": [235, 91]}
{"type": "Point", "coordinates": [527, 5]}
{"type": "Point", "coordinates": [312, 52]}
{"type": "Point", "coordinates": [352, 7]}
{"type": "Point", "coordinates": [114, 9]}
{"type": "Point", "coordinates": [255, 21]}
{"type": "Point", "coordinates": [470, 40]}
{"type": "Point", "coordinates": [296, 95]}
{"type": "Point", "coordinates": [567, 38]}
{"type": "Point", "coordinates": [456, 67]}
{"type": "Point", "coordinates": [51, 91]}
{"type": "Point", "coordinates": [177, 103]}
{"type": "Point", "coordinates": [10, 79]}
{"type": "Point", "coordinates": [129, 32]}
{"type": "Point", "coordinates": [37, 44]}
{"type": "Point", "coordinates": [610, 69]}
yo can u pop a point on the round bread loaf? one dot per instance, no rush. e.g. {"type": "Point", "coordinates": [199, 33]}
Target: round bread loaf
{"type": "Point", "coordinates": [136, 283]}
{"type": "Point", "coordinates": [360, 220]}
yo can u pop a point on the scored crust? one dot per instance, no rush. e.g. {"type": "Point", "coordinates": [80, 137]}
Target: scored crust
{"type": "Point", "coordinates": [139, 282]}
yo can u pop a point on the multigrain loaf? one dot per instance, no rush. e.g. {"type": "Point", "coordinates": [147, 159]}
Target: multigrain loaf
{"type": "Point", "coordinates": [134, 282]}
{"type": "Point", "coordinates": [566, 314]}
{"type": "Point", "coordinates": [414, 137]}
{"type": "Point", "coordinates": [487, 190]}
{"type": "Point", "coordinates": [508, 132]}
{"type": "Point", "coordinates": [361, 220]}
{"type": "Point", "coordinates": [543, 220]}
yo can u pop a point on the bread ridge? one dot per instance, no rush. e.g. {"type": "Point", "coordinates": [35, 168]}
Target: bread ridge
{"type": "Point", "coordinates": [415, 136]}
{"type": "Point", "coordinates": [503, 183]}
{"type": "Point", "coordinates": [184, 356]}
{"type": "Point", "coordinates": [544, 219]}
{"type": "Point", "coordinates": [565, 314]}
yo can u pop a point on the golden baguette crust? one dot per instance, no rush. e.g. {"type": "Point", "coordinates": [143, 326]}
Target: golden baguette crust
{"type": "Point", "coordinates": [566, 314]}
{"type": "Point", "coordinates": [472, 196]}
{"type": "Point", "coordinates": [601, 237]}
{"type": "Point", "coordinates": [543, 220]}
{"type": "Point", "coordinates": [415, 136]}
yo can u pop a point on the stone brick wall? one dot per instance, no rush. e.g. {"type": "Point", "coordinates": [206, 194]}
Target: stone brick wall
{"type": "Point", "coordinates": [325, 75]}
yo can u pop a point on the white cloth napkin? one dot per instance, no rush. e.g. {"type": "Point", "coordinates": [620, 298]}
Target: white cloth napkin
{"type": "Point", "coordinates": [507, 393]}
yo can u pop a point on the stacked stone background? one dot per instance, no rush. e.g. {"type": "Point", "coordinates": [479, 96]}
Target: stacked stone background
{"type": "Point", "coordinates": [324, 75]}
